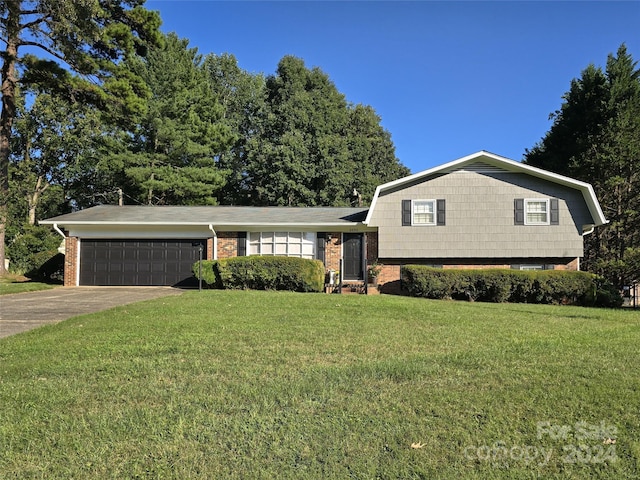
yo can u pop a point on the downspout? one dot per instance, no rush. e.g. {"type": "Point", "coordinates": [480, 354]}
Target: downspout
{"type": "Point", "coordinates": [586, 232]}
{"type": "Point", "coordinates": [76, 260]}
{"type": "Point", "coordinates": [55, 227]}
{"type": "Point", "coordinates": [215, 242]}
{"type": "Point", "coordinates": [64, 242]}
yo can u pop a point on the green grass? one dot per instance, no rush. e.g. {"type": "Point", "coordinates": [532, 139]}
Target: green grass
{"type": "Point", "coordinates": [235, 384]}
{"type": "Point", "coordinates": [15, 284]}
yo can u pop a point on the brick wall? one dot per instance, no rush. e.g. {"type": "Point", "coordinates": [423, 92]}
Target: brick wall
{"type": "Point", "coordinates": [572, 265]}
{"type": "Point", "coordinates": [227, 244]}
{"type": "Point", "coordinates": [372, 247]}
{"type": "Point", "coordinates": [70, 261]}
{"type": "Point", "coordinates": [467, 266]}
{"type": "Point", "coordinates": [389, 273]}
{"type": "Point", "coordinates": [333, 250]}
{"type": "Point", "coordinates": [209, 250]}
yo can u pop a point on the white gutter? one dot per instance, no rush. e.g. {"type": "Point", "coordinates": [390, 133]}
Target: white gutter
{"type": "Point", "coordinates": [199, 224]}
{"type": "Point", "coordinates": [215, 242]}
{"type": "Point", "coordinates": [55, 227]}
{"type": "Point", "coordinates": [587, 232]}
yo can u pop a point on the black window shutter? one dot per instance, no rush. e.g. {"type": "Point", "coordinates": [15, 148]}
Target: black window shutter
{"type": "Point", "coordinates": [321, 246]}
{"type": "Point", "coordinates": [406, 213]}
{"type": "Point", "coordinates": [554, 209]}
{"type": "Point", "coordinates": [242, 244]}
{"type": "Point", "coordinates": [518, 211]}
{"type": "Point", "coordinates": [440, 212]}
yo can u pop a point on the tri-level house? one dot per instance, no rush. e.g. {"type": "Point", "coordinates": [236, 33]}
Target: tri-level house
{"type": "Point", "coordinates": [479, 211]}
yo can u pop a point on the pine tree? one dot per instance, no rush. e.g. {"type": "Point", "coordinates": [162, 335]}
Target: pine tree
{"type": "Point", "coordinates": [171, 156]}
{"type": "Point", "coordinates": [595, 137]}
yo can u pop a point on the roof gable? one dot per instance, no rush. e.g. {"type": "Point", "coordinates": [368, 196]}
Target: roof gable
{"type": "Point", "coordinates": [485, 162]}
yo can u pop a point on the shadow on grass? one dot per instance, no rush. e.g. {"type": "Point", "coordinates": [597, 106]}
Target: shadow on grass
{"type": "Point", "coordinates": [11, 283]}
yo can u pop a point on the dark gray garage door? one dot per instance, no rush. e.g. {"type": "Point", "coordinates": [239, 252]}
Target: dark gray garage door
{"type": "Point", "coordinates": [138, 262]}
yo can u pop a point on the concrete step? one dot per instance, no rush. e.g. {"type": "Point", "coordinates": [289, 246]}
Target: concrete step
{"type": "Point", "coordinates": [352, 289]}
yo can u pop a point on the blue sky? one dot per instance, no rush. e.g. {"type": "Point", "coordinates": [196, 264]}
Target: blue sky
{"type": "Point", "coordinates": [447, 78]}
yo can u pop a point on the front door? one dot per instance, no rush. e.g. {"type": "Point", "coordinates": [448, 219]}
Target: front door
{"type": "Point", "coordinates": [352, 256]}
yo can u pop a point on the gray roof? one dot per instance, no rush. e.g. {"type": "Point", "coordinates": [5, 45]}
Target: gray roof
{"type": "Point", "coordinates": [211, 215]}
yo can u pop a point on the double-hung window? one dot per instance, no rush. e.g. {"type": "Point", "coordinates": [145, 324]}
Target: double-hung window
{"type": "Point", "coordinates": [424, 212]}
{"type": "Point", "coordinates": [536, 211]}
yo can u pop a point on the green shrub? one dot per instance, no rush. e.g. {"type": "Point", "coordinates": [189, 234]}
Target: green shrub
{"type": "Point", "coordinates": [522, 286]}
{"type": "Point", "coordinates": [209, 272]}
{"type": "Point", "coordinates": [427, 282]}
{"type": "Point", "coordinates": [51, 270]}
{"type": "Point", "coordinates": [263, 273]}
{"type": "Point", "coordinates": [495, 285]}
{"type": "Point", "coordinates": [605, 294]}
{"type": "Point", "coordinates": [30, 250]}
{"type": "Point", "coordinates": [501, 285]}
{"type": "Point", "coordinates": [558, 287]}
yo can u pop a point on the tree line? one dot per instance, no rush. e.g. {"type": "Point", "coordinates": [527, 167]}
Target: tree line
{"type": "Point", "coordinates": [595, 137]}
{"type": "Point", "coordinates": [209, 133]}
{"type": "Point", "coordinates": [115, 111]}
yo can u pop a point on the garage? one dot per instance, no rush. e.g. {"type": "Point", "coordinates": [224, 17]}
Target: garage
{"type": "Point", "coordinates": [138, 262]}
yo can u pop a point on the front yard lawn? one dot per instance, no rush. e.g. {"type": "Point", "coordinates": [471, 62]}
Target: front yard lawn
{"type": "Point", "coordinates": [244, 384]}
{"type": "Point", "coordinates": [17, 284]}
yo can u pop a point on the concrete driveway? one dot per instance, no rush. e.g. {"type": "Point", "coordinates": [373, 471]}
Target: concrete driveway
{"type": "Point", "coordinates": [24, 311]}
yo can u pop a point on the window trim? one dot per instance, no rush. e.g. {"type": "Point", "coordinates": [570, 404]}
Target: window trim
{"type": "Point", "coordinates": [434, 204]}
{"type": "Point", "coordinates": [547, 211]}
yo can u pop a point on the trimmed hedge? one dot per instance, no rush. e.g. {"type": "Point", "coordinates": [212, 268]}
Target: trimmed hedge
{"type": "Point", "coordinates": [516, 286]}
{"type": "Point", "coordinates": [263, 273]}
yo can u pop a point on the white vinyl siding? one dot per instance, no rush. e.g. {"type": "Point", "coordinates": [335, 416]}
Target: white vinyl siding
{"type": "Point", "coordinates": [536, 211]}
{"type": "Point", "coordinates": [284, 244]}
{"type": "Point", "coordinates": [423, 212]}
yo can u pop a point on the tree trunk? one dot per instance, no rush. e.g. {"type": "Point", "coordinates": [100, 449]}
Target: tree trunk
{"type": "Point", "coordinates": [150, 191]}
{"type": "Point", "coordinates": [9, 82]}
{"type": "Point", "coordinates": [33, 198]}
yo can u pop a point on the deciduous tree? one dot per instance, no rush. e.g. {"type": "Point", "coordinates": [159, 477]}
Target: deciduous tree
{"type": "Point", "coordinates": [300, 153]}
{"type": "Point", "coordinates": [310, 147]}
{"type": "Point", "coordinates": [90, 38]}
{"type": "Point", "coordinates": [241, 95]}
{"type": "Point", "coordinates": [51, 141]}
{"type": "Point", "coordinates": [372, 153]}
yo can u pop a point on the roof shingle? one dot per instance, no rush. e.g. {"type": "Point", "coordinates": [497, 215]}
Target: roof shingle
{"type": "Point", "coordinates": [216, 215]}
